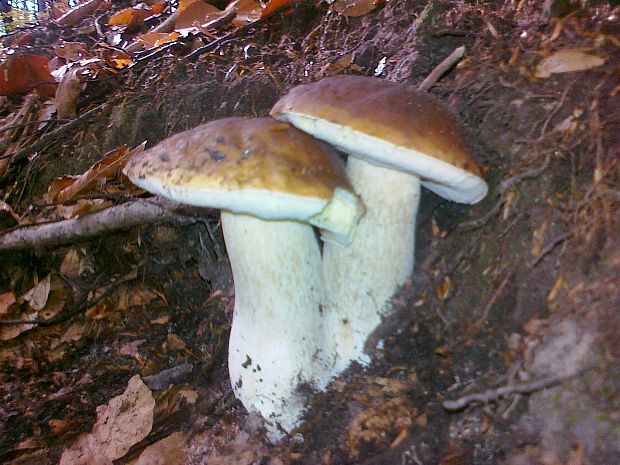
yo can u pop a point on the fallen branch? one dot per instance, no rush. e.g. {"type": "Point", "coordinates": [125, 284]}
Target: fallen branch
{"type": "Point", "coordinates": [126, 215]}
{"type": "Point", "coordinates": [495, 394]}
{"type": "Point", "coordinates": [442, 68]}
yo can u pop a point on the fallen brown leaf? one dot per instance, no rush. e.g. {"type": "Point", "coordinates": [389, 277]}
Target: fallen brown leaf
{"type": "Point", "coordinates": [125, 421]}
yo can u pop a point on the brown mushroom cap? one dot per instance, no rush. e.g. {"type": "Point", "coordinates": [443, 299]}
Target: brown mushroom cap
{"type": "Point", "coordinates": [262, 167]}
{"type": "Point", "coordinates": [391, 125]}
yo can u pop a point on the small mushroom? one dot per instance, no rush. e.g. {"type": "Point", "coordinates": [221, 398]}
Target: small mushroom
{"type": "Point", "coordinates": [272, 183]}
{"type": "Point", "coordinates": [396, 138]}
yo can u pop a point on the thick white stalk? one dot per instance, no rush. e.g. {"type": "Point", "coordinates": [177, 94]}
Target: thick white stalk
{"type": "Point", "coordinates": [361, 279]}
{"type": "Point", "coordinates": [276, 340]}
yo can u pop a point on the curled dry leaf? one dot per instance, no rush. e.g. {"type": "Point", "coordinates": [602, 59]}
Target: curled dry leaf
{"type": "Point", "coordinates": [8, 332]}
{"type": "Point", "coordinates": [66, 188]}
{"type": "Point", "coordinates": [354, 7]}
{"type": "Point", "coordinates": [37, 296]}
{"type": "Point", "coordinates": [68, 93]}
{"type": "Point", "coordinates": [125, 421]}
{"type": "Point", "coordinates": [567, 60]}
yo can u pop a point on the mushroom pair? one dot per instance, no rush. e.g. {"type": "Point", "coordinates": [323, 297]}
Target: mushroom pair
{"type": "Point", "coordinates": [273, 183]}
{"type": "Point", "coordinates": [396, 138]}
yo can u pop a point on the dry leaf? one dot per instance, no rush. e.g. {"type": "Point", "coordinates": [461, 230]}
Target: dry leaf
{"type": "Point", "coordinates": [44, 115]}
{"type": "Point", "coordinates": [168, 451]}
{"type": "Point", "coordinates": [248, 11]}
{"type": "Point", "coordinates": [354, 7]}
{"type": "Point", "coordinates": [339, 65]}
{"type": "Point", "coordinates": [37, 296]}
{"type": "Point", "coordinates": [75, 15]}
{"type": "Point", "coordinates": [274, 5]}
{"type": "Point", "coordinates": [11, 331]}
{"type": "Point", "coordinates": [71, 51]}
{"type": "Point", "coordinates": [117, 58]}
{"type": "Point", "coordinates": [74, 265]}
{"type": "Point", "coordinates": [196, 13]}
{"type": "Point", "coordinates": [131, 348]}
{"type": "Point", "coordinates": [125, 421]}
{"type": "Point", "coordinates": [83, 207]}
{"type": "Point", "coordinates": [68, 93]}
{"type": "Point", "coordinates": [65, 188]}
{"type": "Point", "coordinates": [157, 39]}
{"type": "Point", "coordinates": [24, 73]}
{"type": "Point", "coordinates": [130, 16]}
{"type": "Point", "coordinates": [566, 61]}
{"type": "Point", "coordinates": [175, 342]}
{"type": "Point", "coordinates": [6, 300]}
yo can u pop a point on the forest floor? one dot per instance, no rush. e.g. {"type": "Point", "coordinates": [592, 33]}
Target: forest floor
{"type": "Point", "coordinates": [517, 297]}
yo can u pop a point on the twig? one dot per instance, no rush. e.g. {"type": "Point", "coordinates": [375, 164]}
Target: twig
{"type": "Point", "coordinates": [493, 299]}
{"type": "Point", "coordinates": [126, 215]}
{"type": "Point", "coordinates": [495, 394]}
{"type": "Point", "coordinates": [442, 68]}
{"type": "Point", "coordinates": [504, 187]}
{"type": "Point", "coordinates": [558, 240]}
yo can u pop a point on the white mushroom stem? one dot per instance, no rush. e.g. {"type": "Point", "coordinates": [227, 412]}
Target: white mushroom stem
{"type": "Point", "coordinates": [276, 340]}
{"type": "Point", "coordinates": [361, 279]}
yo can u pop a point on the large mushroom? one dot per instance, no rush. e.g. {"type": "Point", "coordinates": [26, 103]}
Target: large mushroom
{"type": "Point", "coordinates": [272, 183]}
{"type": "Point", "coordinates": [396, 138]}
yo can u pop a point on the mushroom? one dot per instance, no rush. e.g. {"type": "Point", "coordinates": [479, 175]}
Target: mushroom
{"type": "Point", "coordinates": [272, 183]}
{"type": "Point", "coordinates": [397, 139]}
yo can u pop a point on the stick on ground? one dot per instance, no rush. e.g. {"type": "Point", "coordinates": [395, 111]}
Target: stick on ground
{"type": "Point", "coordinates": [126, 215]}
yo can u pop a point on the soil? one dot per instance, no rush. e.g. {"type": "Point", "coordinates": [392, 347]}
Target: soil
{"type": "Point", "coordinates": [521, 287]}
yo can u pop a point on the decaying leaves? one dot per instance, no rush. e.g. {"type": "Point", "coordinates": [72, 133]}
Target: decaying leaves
{"type": "Point", "coordinates": [24, 73]}
{"type": "Point", "coordinates": [125, 421]}
{"type": "Point", "coordinates": [65, 188]}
